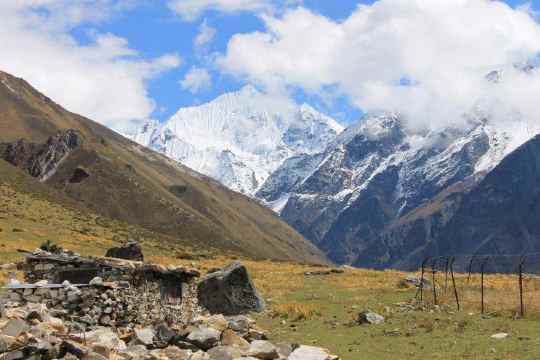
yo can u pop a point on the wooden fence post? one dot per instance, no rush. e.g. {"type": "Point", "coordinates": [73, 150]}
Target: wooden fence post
{"type": "Point", "coordinates": [454, 281]}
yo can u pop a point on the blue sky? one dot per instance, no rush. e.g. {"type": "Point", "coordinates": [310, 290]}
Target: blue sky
{"type": "Point", "coordinates": [143, 50]}
{"type": "Point", "coordinates": [153, 30]}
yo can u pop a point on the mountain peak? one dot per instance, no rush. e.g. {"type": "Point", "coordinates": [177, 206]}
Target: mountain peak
{"type": "Point", "coordinates": [259, 132]}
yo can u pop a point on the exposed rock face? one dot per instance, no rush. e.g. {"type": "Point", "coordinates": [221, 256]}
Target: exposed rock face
{"type": "Point", "coordinates": [365, 200]}
{"type": "Point", "coordinates": [41, 160]}
{"type": "Point", "coordinates": [229, 291]}
{"type": "Point", "coordinates": [500, 215]}
{"type": "Point", "coordinates": [132, 251]}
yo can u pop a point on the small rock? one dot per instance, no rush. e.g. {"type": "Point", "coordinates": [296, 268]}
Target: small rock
{"type": "Point", "coordinates": [230, 338]}
{"type": "Point", "coordinates": [217, 322]}
{"type": "Point", "coordinates": [310, 353]}
{"type": "Point", "coordinates": [500, 336]}
{"type": "Point", "coordinates": [369, 317]}
{"type": "Point", "coordinates": [172, 352]}
{"type": "Point", "coordinates": [205, 338]}
{"type": "Point", "coordinates": [224, 353]}
{"type": "Point", "coordinates": [163, 335]}
{"type": "Point", "coordinates": [200, 355]}
{"type": "Point", "coordinates": [240, 323]}
{"type": "Point", "coordinates": [97, 281]}
{"type": "Point", "coordinates": [262, 349]}
{"type": "Point", "coordinates": [144, 336]}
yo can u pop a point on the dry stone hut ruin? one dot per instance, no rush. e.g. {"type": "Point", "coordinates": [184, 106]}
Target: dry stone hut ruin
{"type": "Point", "coordinates": [107, 291]}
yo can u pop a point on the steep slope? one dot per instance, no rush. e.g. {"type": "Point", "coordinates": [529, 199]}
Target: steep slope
{"type": "Point", "coordinates": [377, 175]}
{"type": "Point", "coordinates": [497, 215]}
{"type": "Point", "coordinates": [240, 138]}
{"type": "Point", "coordinates": [117, 178]}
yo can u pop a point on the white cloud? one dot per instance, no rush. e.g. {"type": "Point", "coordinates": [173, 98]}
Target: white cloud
{"type": "Point", "coordinates": [205, 36]}
{"type": "Point", "coordinates": [196, 80]}
{"type": "Point", "coordinates": [446, 47]}
{"type": "Point", "coordinates": [191, 9]}
{"type": "Point", "coordinates": [104, 79]}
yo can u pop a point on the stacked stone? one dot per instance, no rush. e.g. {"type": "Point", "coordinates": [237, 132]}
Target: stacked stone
{"type": "Point", "coordinates": [108, 304]}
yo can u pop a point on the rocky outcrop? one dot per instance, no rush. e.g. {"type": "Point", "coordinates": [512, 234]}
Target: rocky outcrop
{"type": "Point", "coordinates": [41, 160]}
{"type": "Point", "coordinates": [229, 291]}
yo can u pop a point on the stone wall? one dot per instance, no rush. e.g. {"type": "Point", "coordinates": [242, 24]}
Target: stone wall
{"type": "Point", "coordinates": [108, 304]}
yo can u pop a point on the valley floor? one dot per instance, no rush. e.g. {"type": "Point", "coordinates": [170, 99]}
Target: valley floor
{"type": "Point", "coordinates": [319, 310]}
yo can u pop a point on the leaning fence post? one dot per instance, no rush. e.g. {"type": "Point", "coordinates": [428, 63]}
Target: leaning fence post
{"type": "Point", "coordinates": [446, 274]}
{"type": "Point", "coordinates": [454, 281]}
{"type": "Point", "coordinates": [422, 279]}
{"type": "Point", "coordinates": [520, 269]}
{"type": "Point", "coordinates": [482, 265]}
{"type": "Point", "coordinates": [434, 271]}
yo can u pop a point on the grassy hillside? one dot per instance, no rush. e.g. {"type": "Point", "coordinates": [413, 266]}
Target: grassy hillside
{"type": "Point", "coordinates": [137, 186]}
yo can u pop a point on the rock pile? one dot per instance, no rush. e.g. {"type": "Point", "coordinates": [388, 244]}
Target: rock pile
{"type": "Point", "coordinates": [34, 332]}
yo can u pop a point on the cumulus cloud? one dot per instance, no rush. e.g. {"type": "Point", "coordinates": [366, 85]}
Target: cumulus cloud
{"type": "Point", "coordinates": [192, 9]}
{"type": "Point", "coordinates": [196, 80]}
{"type": "Point", "coordinates": [424, 59]}
{"type": "Point", "coordinates": [103, 79]}
{"type": "Point", "coordinates": [205, 36]}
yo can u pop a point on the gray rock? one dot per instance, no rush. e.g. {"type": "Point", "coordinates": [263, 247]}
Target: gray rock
{"type": "Point", "coordinates": [15, 327]}
{"type": "Point", "coordinates": [240, 323]}
{"type": "Point", "coordinates": [144, 336]}
{"type": "Point", "coordinates": [13, 355]}
{"type": "Point", "coordinates": [224, 353]}
{"type": "Point", "coordinates": [163, 335]}
{"type": "Point", "coordinates": [262, 349]}
{"type": "Point", "coordinates": [310, 353]}
{"type": "Point", "coordinates": [200, 355]}
{"type": "Point", "coordinates": [205, 338]}
{"type": "Point", "coordinates": [229, 291]}
{"type": "Point", "coordinates": [369, 317]}
{"type": "Point", "coordinates": [174, 353]}
{"type": "Point", "coordinates": [97, 281]}
{"type": "Point", "coordinates": [285, 349]}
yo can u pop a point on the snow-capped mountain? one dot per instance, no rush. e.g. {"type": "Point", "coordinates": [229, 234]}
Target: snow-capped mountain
{"type": "Point", "coordinates": [375, 174]}
{"type": "Point", "coordinates": [240, 138]}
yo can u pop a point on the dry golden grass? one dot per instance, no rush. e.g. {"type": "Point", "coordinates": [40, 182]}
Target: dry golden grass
{"type": "Point", "coordinates": [296, 311]}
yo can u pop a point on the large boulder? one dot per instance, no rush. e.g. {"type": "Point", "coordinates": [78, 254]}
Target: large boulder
{"type": "Point", "coordinates": [132, 251]}
{"type": "Point", "coordinates": [229, 291]}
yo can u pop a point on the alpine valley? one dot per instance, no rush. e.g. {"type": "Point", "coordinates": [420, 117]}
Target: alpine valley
{"type": "Point", "coordinates": [378, 194]}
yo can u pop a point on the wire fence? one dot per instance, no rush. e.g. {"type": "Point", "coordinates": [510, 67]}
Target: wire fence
{"type": "Point", "coordinates": [487, 282]}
